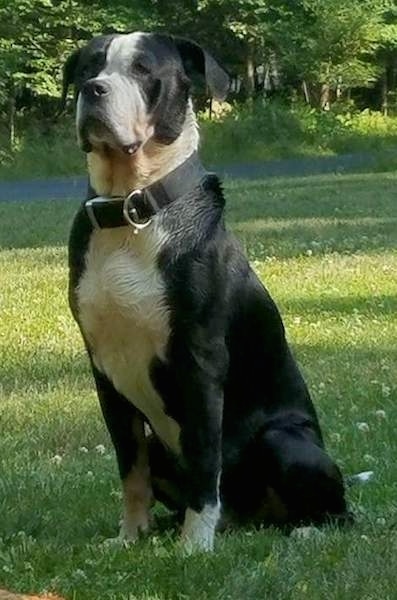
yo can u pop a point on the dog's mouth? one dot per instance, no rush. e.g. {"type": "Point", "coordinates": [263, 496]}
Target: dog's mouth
{"type": "Point", "coordinates": [97, 133]}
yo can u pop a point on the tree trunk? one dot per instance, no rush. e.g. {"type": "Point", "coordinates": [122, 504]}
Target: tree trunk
{"type": "Point", "coordinates": [339, 89]}
{"type": "Point", "coordinates": [385, 94]}
{"type": "Point", "coordinates": [11, 119]}
{"type": "Point", "coordinates": [306, 92]}
{"type": "Point", "coordinates": [325, 96]}
{"type": "Point", "coordinates": [250, 65]}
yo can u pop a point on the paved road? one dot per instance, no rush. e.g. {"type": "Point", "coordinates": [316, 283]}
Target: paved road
{"type": "Point", "coordinates": [63, 188]}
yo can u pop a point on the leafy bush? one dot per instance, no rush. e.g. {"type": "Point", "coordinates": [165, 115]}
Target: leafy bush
{"type": "Point", "coordinates": [237, 134]}
{"type": "Point", "coordinates": [274, 130]}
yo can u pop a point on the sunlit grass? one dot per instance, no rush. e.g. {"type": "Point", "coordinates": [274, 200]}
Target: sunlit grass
{"type": "Point", "coordinates": [326, 249]}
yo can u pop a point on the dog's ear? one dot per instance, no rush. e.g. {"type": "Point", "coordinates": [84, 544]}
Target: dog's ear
{"type": "Point", "coordinates": [196, 60]}
{"type": "Point", "coordinates": [69, 71]}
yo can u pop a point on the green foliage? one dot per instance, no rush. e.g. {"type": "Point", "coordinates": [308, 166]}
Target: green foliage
{"type": "Point", "coordinates": [37, 36]}
{"type": "Point", "coordinates": [330, 43]}
{"type": "Point", "coordinates": [275, 131]}
{"type": "Point", "coordinates": [335, 43]}
{"type": "Point", "coordinates": [329, 48]}
{"type": "Point", "coordinates": [246, 133]}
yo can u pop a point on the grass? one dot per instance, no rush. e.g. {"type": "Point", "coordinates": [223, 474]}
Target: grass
{"type": "Point", "coordinates": [326, 248]}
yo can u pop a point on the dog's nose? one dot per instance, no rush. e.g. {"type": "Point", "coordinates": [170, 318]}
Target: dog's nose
{"type": "Point", "coordinates": [94, 89]}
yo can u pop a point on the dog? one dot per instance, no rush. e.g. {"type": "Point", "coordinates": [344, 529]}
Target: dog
{"type": "Point", "coordinates": [181, 334]}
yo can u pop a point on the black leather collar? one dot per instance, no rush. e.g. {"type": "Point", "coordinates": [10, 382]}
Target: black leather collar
{"type": "Point", "coordinates": [137, 208]}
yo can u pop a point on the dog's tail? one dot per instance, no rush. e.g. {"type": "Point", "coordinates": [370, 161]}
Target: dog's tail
{"type": "Point", "coordinates": [359, 478]}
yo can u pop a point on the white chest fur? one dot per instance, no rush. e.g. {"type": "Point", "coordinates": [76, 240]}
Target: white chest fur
{"type": "Point", "coordinates": [124, 317]}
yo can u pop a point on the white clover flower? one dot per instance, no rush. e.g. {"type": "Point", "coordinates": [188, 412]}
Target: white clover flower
{"type": "Point", "coordinates": [381, 521]}
{"type": "Point", "coordinates": [386, 390]}
{"type": "Point", "coordinates": [364, 476]}
{"type": "Point", "coordinates": [116, 494]}
{"type": "Point", "coordinates": [83, 450]}
{"type": "Point", "coordinates": [380, 414]}
{"type": "Point", "coordinates": [79, 574]}
{"type": "Point", "coordinates": [56, 459]}
{"type": "Point", "coordinates": [90, 474]}
{"type": "Point", "coordinates": [369, 458]}
{"type": "Point", "coordinates": [362, 426]}
{"type": "Point", "coordinates": [100, 448]}
{"type": "Point", "coordinates": [336, 437]}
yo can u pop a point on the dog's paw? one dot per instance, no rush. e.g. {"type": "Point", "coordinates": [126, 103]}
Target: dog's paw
{"type": "Point", "coordinates": [305, 533]}
{"type": "Point", "coordinates": [198, 530]}
{"type": "Point", "coordinates": [131, 529]}
{"type": "Point", "coordinates": [134, 527]}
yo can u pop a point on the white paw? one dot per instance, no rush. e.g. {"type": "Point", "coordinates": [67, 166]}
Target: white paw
{"type": "Point", "coordinates": [198, 530]}
{"type": "Point", "coordinates": [304, 533]}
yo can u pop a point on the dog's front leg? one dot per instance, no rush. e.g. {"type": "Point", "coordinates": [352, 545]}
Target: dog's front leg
{"type": "Point", "coordinates": [126, 429]}
{"type": "Point", "coordinates": [201, 444]}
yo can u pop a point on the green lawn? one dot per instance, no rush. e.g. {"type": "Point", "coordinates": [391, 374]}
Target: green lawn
{"type": "Point", "coordinates": [326, 249]}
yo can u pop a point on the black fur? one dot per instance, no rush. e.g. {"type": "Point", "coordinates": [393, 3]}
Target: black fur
{"type": "Point", "coordinates": [85, 63]}
{"type": "Point", "coordinates": [229, 378]}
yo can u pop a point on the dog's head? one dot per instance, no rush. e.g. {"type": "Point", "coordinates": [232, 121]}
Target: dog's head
{"type": "Point", "coordinates": [134, 87]}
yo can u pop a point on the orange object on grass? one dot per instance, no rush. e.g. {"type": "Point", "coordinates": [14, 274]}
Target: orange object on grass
{"type": "Point", "coordinates": [5, 595]}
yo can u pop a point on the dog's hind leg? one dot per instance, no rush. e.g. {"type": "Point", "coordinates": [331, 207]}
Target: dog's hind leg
{"type": "Point", "coordinates": [307, 481]}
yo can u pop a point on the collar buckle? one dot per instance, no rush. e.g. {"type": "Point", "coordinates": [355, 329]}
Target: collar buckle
{"type": "Point", "coordinates": [130, 212]}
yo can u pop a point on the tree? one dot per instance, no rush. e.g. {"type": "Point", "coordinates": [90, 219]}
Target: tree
{"type": "Point", "coordinates": [329, 45]}
{"type": "Point", "coordinates": [36, 36]}
{"type": "Point", "coordinates": [387, 57]}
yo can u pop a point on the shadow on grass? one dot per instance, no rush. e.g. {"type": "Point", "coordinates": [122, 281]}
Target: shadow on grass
{"type": "Point", "coordinates": [289, 239]}
{"type": "Point", "coordinates": [47, 370]}
{"type": "Point", "coordinates": [345, 351]}
{"type": "Point", "coordinates": [379, 305]}
{"type": "Point", "coordinates": [36, 224]}
{"type": "Point", "coordinates": [347, 197]}
{"type": "Point", "coordinates": [43, 369]}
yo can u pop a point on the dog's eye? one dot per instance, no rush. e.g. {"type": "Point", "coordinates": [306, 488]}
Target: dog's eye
{"type": "Point", "coordinates": [139, 68]}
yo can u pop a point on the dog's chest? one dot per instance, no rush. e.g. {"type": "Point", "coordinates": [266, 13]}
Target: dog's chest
{"type": "Point", "coordinates": [124, 317]}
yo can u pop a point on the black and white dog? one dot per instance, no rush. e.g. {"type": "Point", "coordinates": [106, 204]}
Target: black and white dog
{"type": "Point", "coordinates": [180, 332]}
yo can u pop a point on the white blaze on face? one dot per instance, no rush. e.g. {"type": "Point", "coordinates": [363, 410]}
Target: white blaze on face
{"type": "Point", "coordinates": [126, 107]}
{"type": "Point", "coordinates": [121, 51]}
{"type": "Point", "coordinates": [79, 110]}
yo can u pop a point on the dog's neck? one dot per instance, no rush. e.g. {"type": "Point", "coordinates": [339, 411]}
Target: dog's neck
{"type": "Point", "coordinates": [114, 174]}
